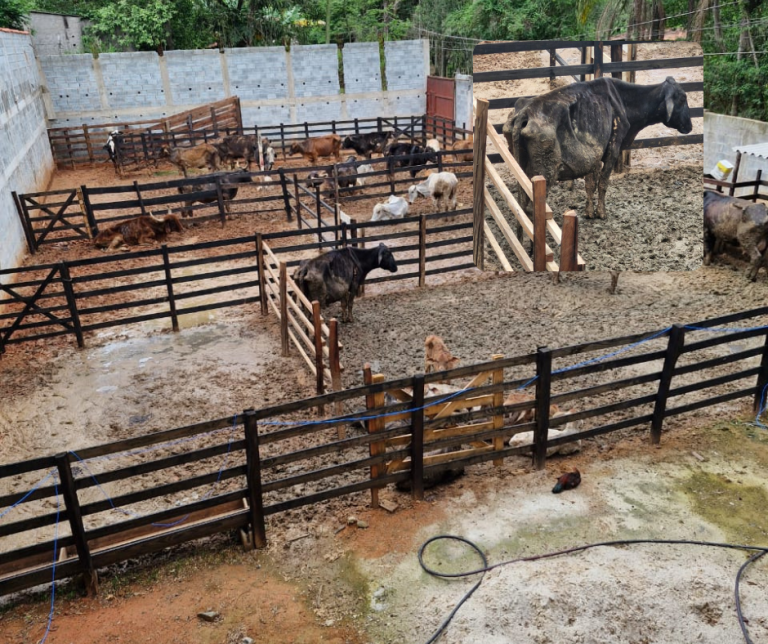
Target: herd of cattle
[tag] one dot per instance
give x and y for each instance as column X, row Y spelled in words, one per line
column 231, row 150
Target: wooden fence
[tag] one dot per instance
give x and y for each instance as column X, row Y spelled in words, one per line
column 543, row 222
column 84, row 144
column 594, row 52
column 710, row 183
column 249, row 466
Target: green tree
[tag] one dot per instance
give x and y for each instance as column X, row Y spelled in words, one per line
column 14, row 14
column 135, row 23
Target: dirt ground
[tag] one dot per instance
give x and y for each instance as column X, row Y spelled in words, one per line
column 654, row 209
column 324, row 582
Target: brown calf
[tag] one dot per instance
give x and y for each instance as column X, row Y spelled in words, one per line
column 140, row 230
column 204, row 155
column 436, row 355
column 463, row 149
column 318, row 146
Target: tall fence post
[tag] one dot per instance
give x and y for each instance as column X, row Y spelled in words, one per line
column 334, row 363
column 498, row 416
column 220, row 201
column 284, row 308
column 543, row 395
column 478, row 184
column 417, row 438
column 617, row 55
column 318, row 323
column 286, row 195
column 552, row 64
column 169, row 285
column 598, row 60
column 88, row 144
column 69, row 291
column 253, row 464
column 422, row 250
column 319, row 218
column 260, row 272
column 26, row 225
column 282, row 140
column 374, row 401
column 75, row 517
column 583, row 61
column 539, row 223
column 89, row 211
column 762, row 378
column 569, row 245
column 298, row 200
column 674, row 348
column 756, row 193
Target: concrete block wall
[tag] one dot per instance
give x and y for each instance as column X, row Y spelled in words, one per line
column 722, row 133
column 54, row 34
column 132, row 82
column 26, row 164
column 275, row 86
column 362, row 67
column 462, row 113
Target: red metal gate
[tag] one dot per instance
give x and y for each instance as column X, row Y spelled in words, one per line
column 440, row 96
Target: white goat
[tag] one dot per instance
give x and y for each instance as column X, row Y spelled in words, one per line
column 438, row 186
column 393, row 208
column 434, row 144
column 364, row 169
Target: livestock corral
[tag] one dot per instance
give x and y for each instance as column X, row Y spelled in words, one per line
column 158, row 424
column 653, row 203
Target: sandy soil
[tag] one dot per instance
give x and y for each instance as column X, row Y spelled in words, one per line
column 653, row 209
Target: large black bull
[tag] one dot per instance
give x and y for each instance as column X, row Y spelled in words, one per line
column 728, row 219
column 368, row 143
column 580, row 130
column 336, row 275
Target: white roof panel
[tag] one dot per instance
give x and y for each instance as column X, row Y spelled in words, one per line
column 755, row 150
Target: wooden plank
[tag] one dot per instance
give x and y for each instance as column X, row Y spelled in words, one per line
column 498, row 401
column 478, row 183
column 283, row 302
column 569, row 246
column 762, row 379
column 540, row 256
column 255, row 496
column 543, row 395
column 374, row 425
column 417, row 439
column 674, row 349
column 318, row 323
column 423, row 251
column 497, row 248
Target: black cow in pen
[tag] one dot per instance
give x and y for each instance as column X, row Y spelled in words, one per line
column 418, row 156
column 114, row 148
column 368, row 143
column 336, row 275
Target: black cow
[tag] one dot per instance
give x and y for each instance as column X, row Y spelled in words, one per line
column 580, row 130
column 419, row 156
column 228, row 192
column 114, row 148
column 728, row 219
column 238, row 146
column 336, row 275
column 367, row 144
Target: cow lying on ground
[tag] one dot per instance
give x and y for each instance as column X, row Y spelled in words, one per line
column 336, row 275
column 139, row 230
column 581, row 129
column 394, row 208
column 346, row 173
column 439, row 186
column 436, row 355
column 728, row 219
column 419, row 156
column 319, row 146
column 238, row 146
column 228, row 191
column 368, row 143
column 204, row 155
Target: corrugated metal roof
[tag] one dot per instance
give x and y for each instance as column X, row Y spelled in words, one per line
column 755, row 150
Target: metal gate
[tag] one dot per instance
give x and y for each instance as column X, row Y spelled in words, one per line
column 441, row 96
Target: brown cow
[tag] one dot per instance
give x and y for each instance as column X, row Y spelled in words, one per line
column 139, row 230
column 436, row 355
column 204, row 155
column 318, row 146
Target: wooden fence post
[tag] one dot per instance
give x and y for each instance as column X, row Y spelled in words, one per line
column 169, row 285
column 498, row 417
column 758, row 178
column 286, row 195
column 417, row 438
column 569, row 246
column 253, row 463
column 762, row 377
column 319, row 219
column 220, row 201
column 539, row 223
column 138, row 196
column 478, row 184
column 617, row 55
column 422, row 250
column 214, row 122
column 552, row 64
column 88, row 144
column 318, row 322
column 373, row 401
column 75, row 517
column 69, row 292
column 284, row 308
column 26, row 225
column 298, row 200
column 260, row 271
column 334, row 363
column 598, row 60
column 732, row 189
column 674, row 348
column 543, row 395
column 583, row 61
column 282, row 140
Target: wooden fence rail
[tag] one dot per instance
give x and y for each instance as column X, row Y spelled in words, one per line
column 414, row 429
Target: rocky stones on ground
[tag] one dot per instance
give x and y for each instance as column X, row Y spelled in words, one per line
column 209, row 616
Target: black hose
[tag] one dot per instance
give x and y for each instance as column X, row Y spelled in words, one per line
column 760, row 552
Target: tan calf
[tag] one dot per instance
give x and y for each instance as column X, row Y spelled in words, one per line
column 437, row 357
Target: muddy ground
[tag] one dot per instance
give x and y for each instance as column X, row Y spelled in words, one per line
column 654, row 209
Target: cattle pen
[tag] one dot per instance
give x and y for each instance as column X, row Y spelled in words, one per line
column 505, row 72
column 254, row 468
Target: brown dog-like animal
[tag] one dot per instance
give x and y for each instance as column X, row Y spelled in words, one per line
column 139, row 230
column 318, row 146
column 437, row 357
